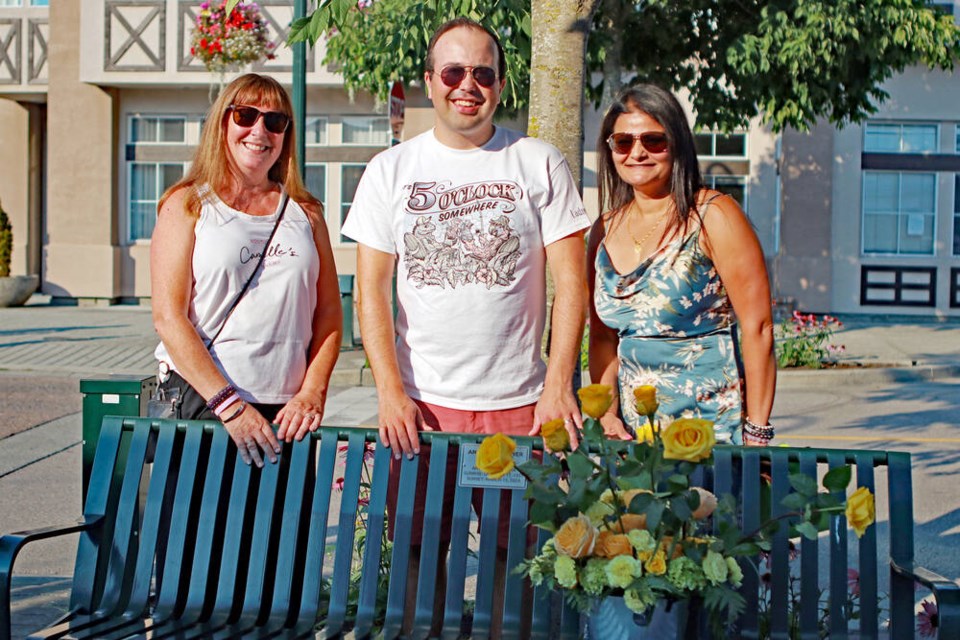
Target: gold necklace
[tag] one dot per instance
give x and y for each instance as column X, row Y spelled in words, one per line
column 639, row 244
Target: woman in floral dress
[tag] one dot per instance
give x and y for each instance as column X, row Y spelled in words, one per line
column 676, row 273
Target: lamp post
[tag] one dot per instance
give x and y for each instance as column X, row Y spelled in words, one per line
column 300, row 90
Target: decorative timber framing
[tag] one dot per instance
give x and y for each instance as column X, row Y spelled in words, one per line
column 124, row 40
column 877, row 281
column 38, row 31
column 11, row 56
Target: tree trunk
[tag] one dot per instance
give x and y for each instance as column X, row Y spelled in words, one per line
column 612, row 68
column 560, row 30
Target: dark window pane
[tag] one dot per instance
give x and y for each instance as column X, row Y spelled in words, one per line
column 733, row 144
column 704, row 143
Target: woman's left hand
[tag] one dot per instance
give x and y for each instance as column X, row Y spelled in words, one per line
column 301, row 414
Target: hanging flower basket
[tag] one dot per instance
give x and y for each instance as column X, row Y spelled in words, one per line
column 227, row 41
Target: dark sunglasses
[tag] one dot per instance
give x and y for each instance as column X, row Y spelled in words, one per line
column 652, row 141
column 274, row 121
column 453, row 75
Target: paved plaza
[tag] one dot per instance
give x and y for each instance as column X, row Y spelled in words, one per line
column 898, row 388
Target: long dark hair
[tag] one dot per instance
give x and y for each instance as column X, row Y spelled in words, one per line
column 685, row 179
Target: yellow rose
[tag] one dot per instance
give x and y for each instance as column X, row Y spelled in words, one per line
column 645, row 433
column 860, row 510
column 596, row 399
column 689, row 439
column 611, row 545
column 629, row 522
column 656, row 564
column 495, row 455
column 708, row 503
column 576, row 537
column 555, row 436
column 646, row 399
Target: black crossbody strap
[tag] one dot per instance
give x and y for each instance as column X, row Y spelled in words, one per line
column 263, row 254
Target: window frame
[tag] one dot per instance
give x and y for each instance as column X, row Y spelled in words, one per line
column 130, row 239
column 387, row 132
column 934, row 215
column 158, row 116
column 344, row 205
column 713, row 144
column 901, row 126
column 326, row 131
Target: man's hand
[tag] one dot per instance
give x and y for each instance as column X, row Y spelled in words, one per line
column 400, row 424
column 557, row 401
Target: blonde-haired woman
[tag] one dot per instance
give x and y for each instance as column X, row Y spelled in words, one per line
column 244, row 286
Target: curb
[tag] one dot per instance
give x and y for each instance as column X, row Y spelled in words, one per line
column 873, row 373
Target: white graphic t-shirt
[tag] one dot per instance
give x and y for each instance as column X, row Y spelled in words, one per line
column 469, row 229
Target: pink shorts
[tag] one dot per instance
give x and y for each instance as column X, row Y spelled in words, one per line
column 512, row 422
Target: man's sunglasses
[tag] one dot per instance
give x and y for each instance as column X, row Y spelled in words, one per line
column 652, row 141
column 274, row 121
column 453, row 75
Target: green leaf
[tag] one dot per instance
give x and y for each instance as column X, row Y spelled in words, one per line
column 654, row 513
column 794, row 502
column 837, row 478
column 807, row 530
column 803, row 484
column 580, row 465
column 680, row 507
column 542, row 513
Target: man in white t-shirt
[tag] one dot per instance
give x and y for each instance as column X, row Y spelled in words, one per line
column 470, row 214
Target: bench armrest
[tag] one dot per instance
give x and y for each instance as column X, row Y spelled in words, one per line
column 946, row 593
column 10, row 546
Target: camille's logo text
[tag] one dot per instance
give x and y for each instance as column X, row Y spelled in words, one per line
column 273, row 251
column 454, row 202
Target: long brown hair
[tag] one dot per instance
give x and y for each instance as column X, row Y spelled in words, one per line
column 211, row 165
column 685, row 179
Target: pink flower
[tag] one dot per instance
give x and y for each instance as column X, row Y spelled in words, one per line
column 853, row 582
column 928, row 620
column 338, row 484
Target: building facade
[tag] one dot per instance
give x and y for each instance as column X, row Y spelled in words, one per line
column 101, row 106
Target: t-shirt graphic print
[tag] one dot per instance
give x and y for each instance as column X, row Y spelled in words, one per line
column 460, row 235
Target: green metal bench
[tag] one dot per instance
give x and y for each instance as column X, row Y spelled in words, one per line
column 268, row 553
column 760, row 476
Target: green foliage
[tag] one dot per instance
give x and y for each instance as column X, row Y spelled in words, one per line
column 387, row 41
column 788, row 61
column 6, row 243
column 804, row 341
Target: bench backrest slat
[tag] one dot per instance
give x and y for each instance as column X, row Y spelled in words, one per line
column 867, row 550
column 513, row 598
column 779, row 557
column 91, row 556
column 900, row 491
column 346, row 530
column 457, row 563
column 751, row 505
column 230, row 551
column 400, row 555
column 487, row 562
column 838, row 558
column 430, row 538
column 181, row 539
column 262, row 546
column 372, row 551
column 809, row 564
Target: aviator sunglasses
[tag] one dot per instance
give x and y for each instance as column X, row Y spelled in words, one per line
column 454, row 74
column 274, row 121
column 652, row 141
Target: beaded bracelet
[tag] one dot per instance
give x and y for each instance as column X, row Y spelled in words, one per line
column 220, row 396
column 226, row 404
column 235, row 414
column 761, row 434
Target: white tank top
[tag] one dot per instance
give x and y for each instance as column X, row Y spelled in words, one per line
column 263, row 347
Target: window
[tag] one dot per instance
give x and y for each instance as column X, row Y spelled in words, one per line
column 349, row 179
column 733, row 186
column 371, row 132
column 900, row 138
column 316, row 181
column 728, row 145
column 39, row 3
column 899, row 212
column 316, row 132
column 148, row 181
column 956, row 215
column 157, row 129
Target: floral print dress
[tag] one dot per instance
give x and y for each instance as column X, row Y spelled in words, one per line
column 677, row 332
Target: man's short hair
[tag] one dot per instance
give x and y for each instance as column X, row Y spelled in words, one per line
column 456, row 23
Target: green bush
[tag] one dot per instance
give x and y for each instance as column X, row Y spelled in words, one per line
column 804, row 341
column 6, row 243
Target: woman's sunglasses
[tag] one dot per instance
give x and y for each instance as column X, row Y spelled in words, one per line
column 453, row 75
column 652, row 141
column 274, row 121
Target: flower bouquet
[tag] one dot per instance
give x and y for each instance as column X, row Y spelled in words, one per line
column 629, row 520
column 225, row 40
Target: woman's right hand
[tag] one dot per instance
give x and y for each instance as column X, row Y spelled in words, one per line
column 252, row 434
column 613, row 427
